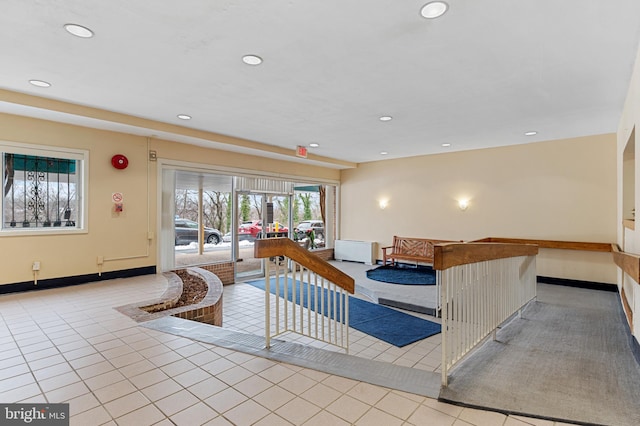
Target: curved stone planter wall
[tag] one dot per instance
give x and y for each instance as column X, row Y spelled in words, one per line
column 208, row 310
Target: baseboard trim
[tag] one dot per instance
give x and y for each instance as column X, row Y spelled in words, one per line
column 591, row 285
column 75, row 280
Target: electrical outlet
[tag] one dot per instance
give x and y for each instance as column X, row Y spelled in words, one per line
column 100, row 260
column 36, row 266
column 150, row 235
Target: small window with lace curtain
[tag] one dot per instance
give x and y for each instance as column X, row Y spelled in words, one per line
column 43, row 189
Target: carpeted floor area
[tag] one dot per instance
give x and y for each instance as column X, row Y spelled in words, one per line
column 568, row 358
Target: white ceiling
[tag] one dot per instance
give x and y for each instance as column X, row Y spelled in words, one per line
column 479, row 76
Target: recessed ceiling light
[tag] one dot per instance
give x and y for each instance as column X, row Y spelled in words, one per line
column 78, row 30
column 386, row 118
column 40, row 83
column 531, row 133
column 434, row 9
column 252, row 59
column 184, row 117
column 446, row 145
column 383, row 153
column 314, row 145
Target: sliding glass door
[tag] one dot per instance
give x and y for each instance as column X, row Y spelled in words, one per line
column 210, row 217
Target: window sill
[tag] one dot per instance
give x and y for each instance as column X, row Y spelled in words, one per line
column 28, row 232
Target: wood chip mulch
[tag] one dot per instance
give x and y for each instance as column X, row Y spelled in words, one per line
column 194, row 289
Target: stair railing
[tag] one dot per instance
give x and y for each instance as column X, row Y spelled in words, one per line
column 304, row 294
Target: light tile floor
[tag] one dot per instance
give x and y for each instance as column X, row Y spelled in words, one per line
column 70, row 345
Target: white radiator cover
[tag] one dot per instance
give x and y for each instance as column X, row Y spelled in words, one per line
column 356, row 251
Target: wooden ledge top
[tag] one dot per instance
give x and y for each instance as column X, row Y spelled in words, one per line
column 553, row 244
column 455, row 254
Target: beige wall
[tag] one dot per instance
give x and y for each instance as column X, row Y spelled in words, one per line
column 122, row 239
column 557, row 190
column 630, row 239
column 552, row 190
column 198, row 155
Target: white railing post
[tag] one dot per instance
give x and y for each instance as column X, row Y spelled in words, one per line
column 330, row 327
column 444, row 313
column 267, row 306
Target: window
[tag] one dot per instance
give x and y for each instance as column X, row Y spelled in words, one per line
column 200, row 199
column 43, row 189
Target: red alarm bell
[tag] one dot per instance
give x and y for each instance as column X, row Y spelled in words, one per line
column 119, row 161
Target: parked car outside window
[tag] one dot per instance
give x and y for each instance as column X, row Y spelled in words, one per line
column 306, row 225
column 250, row 230
column 187, row 232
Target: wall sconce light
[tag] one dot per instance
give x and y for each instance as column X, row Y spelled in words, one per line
column 383, row 204
column 463, row 204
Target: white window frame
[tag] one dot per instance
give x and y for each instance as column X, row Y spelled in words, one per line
column 80, row 155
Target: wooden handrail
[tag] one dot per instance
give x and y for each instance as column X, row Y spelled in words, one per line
column 455, row 254
column 629, row 263
column 564, row 245
column 272, row 247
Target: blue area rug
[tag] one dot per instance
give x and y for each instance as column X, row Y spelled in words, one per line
column 407, row 275
column 389, row 325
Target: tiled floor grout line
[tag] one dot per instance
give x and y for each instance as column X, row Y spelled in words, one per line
column 22, row 354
